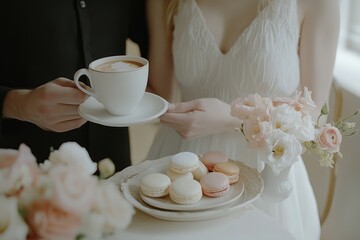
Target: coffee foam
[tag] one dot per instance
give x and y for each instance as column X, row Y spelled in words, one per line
column 117, row 66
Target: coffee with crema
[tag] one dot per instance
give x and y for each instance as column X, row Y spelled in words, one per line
column 118, row 66
column 117, row 82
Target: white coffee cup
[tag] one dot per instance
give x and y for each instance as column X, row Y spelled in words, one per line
column 118, row 82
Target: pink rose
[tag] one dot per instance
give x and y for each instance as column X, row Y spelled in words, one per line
column 73, row 189
column 18, row 169
column 243, row 108
column 7, row 157
column 115, row 209
column 284, row 100
column 329, row 138
column 48, row 222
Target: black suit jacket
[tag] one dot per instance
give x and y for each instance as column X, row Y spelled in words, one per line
column 46, row 39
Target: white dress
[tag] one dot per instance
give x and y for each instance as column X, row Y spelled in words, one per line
column 264, row 60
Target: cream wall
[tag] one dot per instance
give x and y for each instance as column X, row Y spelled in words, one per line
column 141, row 136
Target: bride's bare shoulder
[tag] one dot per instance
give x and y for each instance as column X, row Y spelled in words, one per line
column 317, row 9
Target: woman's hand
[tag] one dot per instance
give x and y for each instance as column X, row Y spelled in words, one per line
column 200, row 117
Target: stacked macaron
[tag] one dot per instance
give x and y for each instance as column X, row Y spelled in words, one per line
column 210, row 158
column 178, row 181
column 155, row 185
column 182, row 164
column 217, row 161
column 184, row 189
column 187, row 178
column 231, row 170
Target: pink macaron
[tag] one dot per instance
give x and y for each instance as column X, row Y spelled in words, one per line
column 229, row 169
column 215, row 184
column 210, row 158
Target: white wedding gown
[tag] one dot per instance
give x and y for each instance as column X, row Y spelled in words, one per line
column 264, row 60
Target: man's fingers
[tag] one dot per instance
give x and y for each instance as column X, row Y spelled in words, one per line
column 65, row 95
column 68, row 125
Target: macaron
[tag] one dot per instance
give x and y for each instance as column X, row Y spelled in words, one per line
column 173, row 175
column 184, row 162
column 210, row 158
column 185, row 191
column 229, row 169
column 155, row 185
column 200, row 171
column 215, row 184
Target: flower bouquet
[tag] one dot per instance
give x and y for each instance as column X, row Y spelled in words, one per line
column 282, row 129
column 59, row 199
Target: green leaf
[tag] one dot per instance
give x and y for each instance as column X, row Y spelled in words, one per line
column 80, row 236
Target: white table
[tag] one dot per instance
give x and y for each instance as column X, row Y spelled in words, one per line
column 250, row 224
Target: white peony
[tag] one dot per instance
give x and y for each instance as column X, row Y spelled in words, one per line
column 72, row 154
column 12, row 225
column 307, row 130
column 285, row 118
column 281, row 150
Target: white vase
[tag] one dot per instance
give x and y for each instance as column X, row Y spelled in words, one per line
column 276, row 187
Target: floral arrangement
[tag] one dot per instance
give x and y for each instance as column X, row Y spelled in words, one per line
column 60, row 199
column 282, row 129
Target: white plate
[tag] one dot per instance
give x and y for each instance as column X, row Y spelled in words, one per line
column 150, row 108
column 128, row 179
column 205, row 202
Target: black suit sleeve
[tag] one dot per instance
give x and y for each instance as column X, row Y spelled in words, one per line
column 3, row 92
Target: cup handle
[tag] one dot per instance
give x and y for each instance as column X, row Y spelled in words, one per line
column 77, row 75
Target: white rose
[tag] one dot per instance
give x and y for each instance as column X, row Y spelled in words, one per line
column 117, row 211
column 72, row 190
column 12, row 225
column 93, row 225
column 71, row 153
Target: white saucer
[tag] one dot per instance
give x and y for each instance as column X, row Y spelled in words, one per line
column 150, row 108
column 205, row 202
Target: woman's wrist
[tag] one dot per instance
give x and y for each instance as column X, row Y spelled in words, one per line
column 234, row 123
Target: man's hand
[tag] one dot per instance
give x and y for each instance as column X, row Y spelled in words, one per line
column 52, row 106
